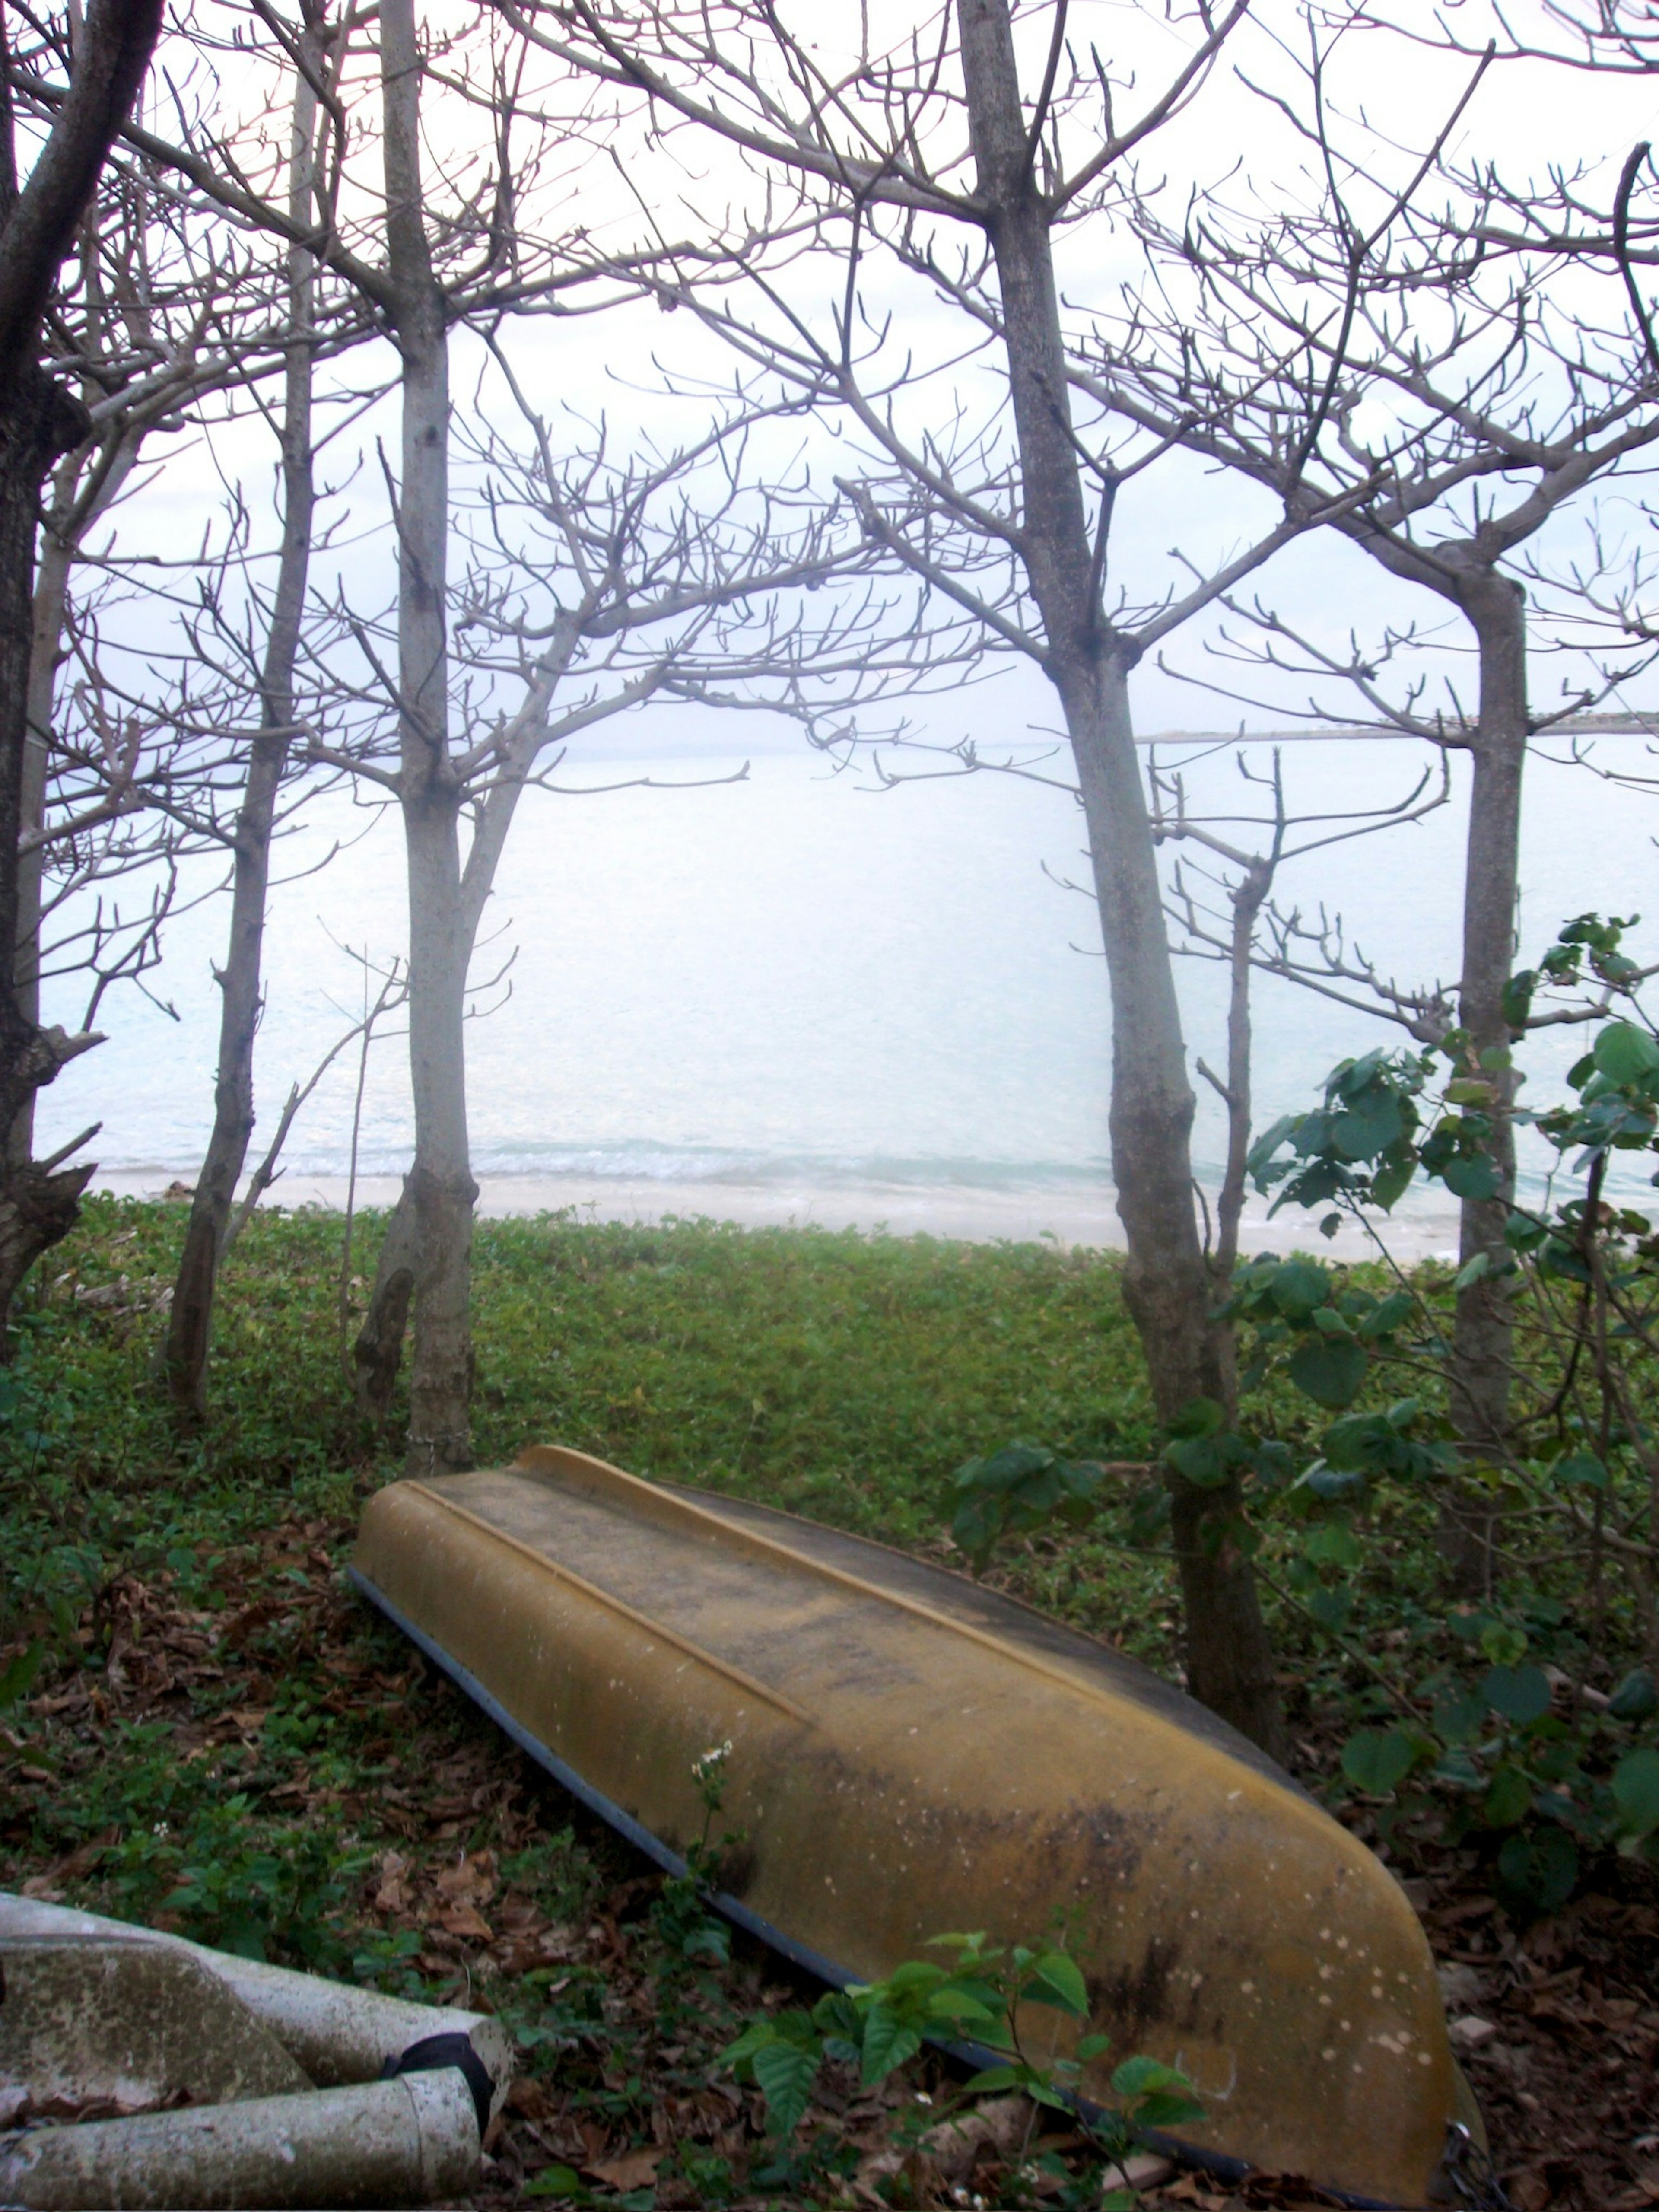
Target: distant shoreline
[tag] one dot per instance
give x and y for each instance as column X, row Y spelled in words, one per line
column 1084, row 1214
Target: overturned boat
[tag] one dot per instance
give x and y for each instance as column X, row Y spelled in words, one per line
column 912, row 1754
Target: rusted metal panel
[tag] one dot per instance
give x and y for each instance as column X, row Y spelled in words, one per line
column 912, row 1754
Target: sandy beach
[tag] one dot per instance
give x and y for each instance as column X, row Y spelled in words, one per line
column 1082, row 1215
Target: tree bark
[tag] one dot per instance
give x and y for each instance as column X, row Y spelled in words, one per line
column 41, row 422
column 49, row 607
column 1229, row 1657
column 240, row 980
column 1249, row 895
column 1483, row 1331
column 441, row 1190
column 378, row 1348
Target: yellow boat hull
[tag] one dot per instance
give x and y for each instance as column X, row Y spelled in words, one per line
column 913, row 1754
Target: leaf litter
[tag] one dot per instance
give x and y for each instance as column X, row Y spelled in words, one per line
column 447, row 1867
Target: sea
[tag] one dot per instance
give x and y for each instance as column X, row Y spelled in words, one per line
column 782, row 990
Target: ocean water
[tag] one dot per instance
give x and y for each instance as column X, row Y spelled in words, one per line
column 799, row 997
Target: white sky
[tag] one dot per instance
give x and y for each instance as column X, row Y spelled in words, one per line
column 1524, row 118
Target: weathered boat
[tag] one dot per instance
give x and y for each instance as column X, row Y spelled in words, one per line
column 913, row 1754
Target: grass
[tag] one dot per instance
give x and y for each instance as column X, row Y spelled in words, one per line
column 220, row 1739
column 835, row 1374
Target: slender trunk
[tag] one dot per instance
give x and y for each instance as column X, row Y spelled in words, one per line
column 1248, row 898
column 378, row 1349
column 1483, row 1331
column 240, row 980
column 39, row 423
column 441, row 1190
column 1167, row 1285
column 50, row 606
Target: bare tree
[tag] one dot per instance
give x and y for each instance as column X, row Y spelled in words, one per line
column 1012, row 520
column 1225, row 916
column 40, row 421
column 1488, row 406
column 592, row 586
column 320, row 49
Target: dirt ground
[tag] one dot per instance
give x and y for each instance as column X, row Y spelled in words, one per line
column 1558, row 2023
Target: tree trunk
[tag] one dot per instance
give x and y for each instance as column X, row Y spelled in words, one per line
column 1484, row 1327
column 240, row 980
column 1229, row 1657
column 441, row 1190
column 378, row 1348
column 49, row 606
column 40, row 422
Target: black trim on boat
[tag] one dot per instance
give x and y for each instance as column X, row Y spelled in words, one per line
column 1213, row 2162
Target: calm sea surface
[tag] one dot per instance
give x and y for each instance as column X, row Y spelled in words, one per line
column 796, row 997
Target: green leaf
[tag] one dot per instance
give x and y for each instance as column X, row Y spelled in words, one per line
column 1540, row 1870
column 1329, row 1370
column 1201, row 1417
column 1393, row 1179
column 1625, row 1054
column 1509, row 1800
column 976, row 1525
column 1466, row 1277
column 1003, row 1469
column 1369, row 1127
column 754, row 2037
column 1636, row 1791
column 1515, row 999
column 1156, row 2096
column 786, row 2074
column 1299, row 1287
column 1462, row 1719
column 1269, row 1142
column 558, row 2181
column 17, row 1680
column 953, row 2001
column 1168, row 2108
column 1520, row 1694
column 888, row 2042
column 1332, row 1608
column 991, row 2080
column 1204, row 1460
column 1333, row 1544
column 1058, row 1982
column 1471, row 1177
column 1635, row 1698
column 1503, row 1643
column 1387, row 1314
column 1377, row 1760
column 1582, row 1468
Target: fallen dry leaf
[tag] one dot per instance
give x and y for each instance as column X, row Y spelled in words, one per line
column 633, row 2170
column 1000, row 2123
column 473, row 1881
column 465, row 1920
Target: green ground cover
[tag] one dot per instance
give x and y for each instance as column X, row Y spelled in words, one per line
column 202, row 1728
